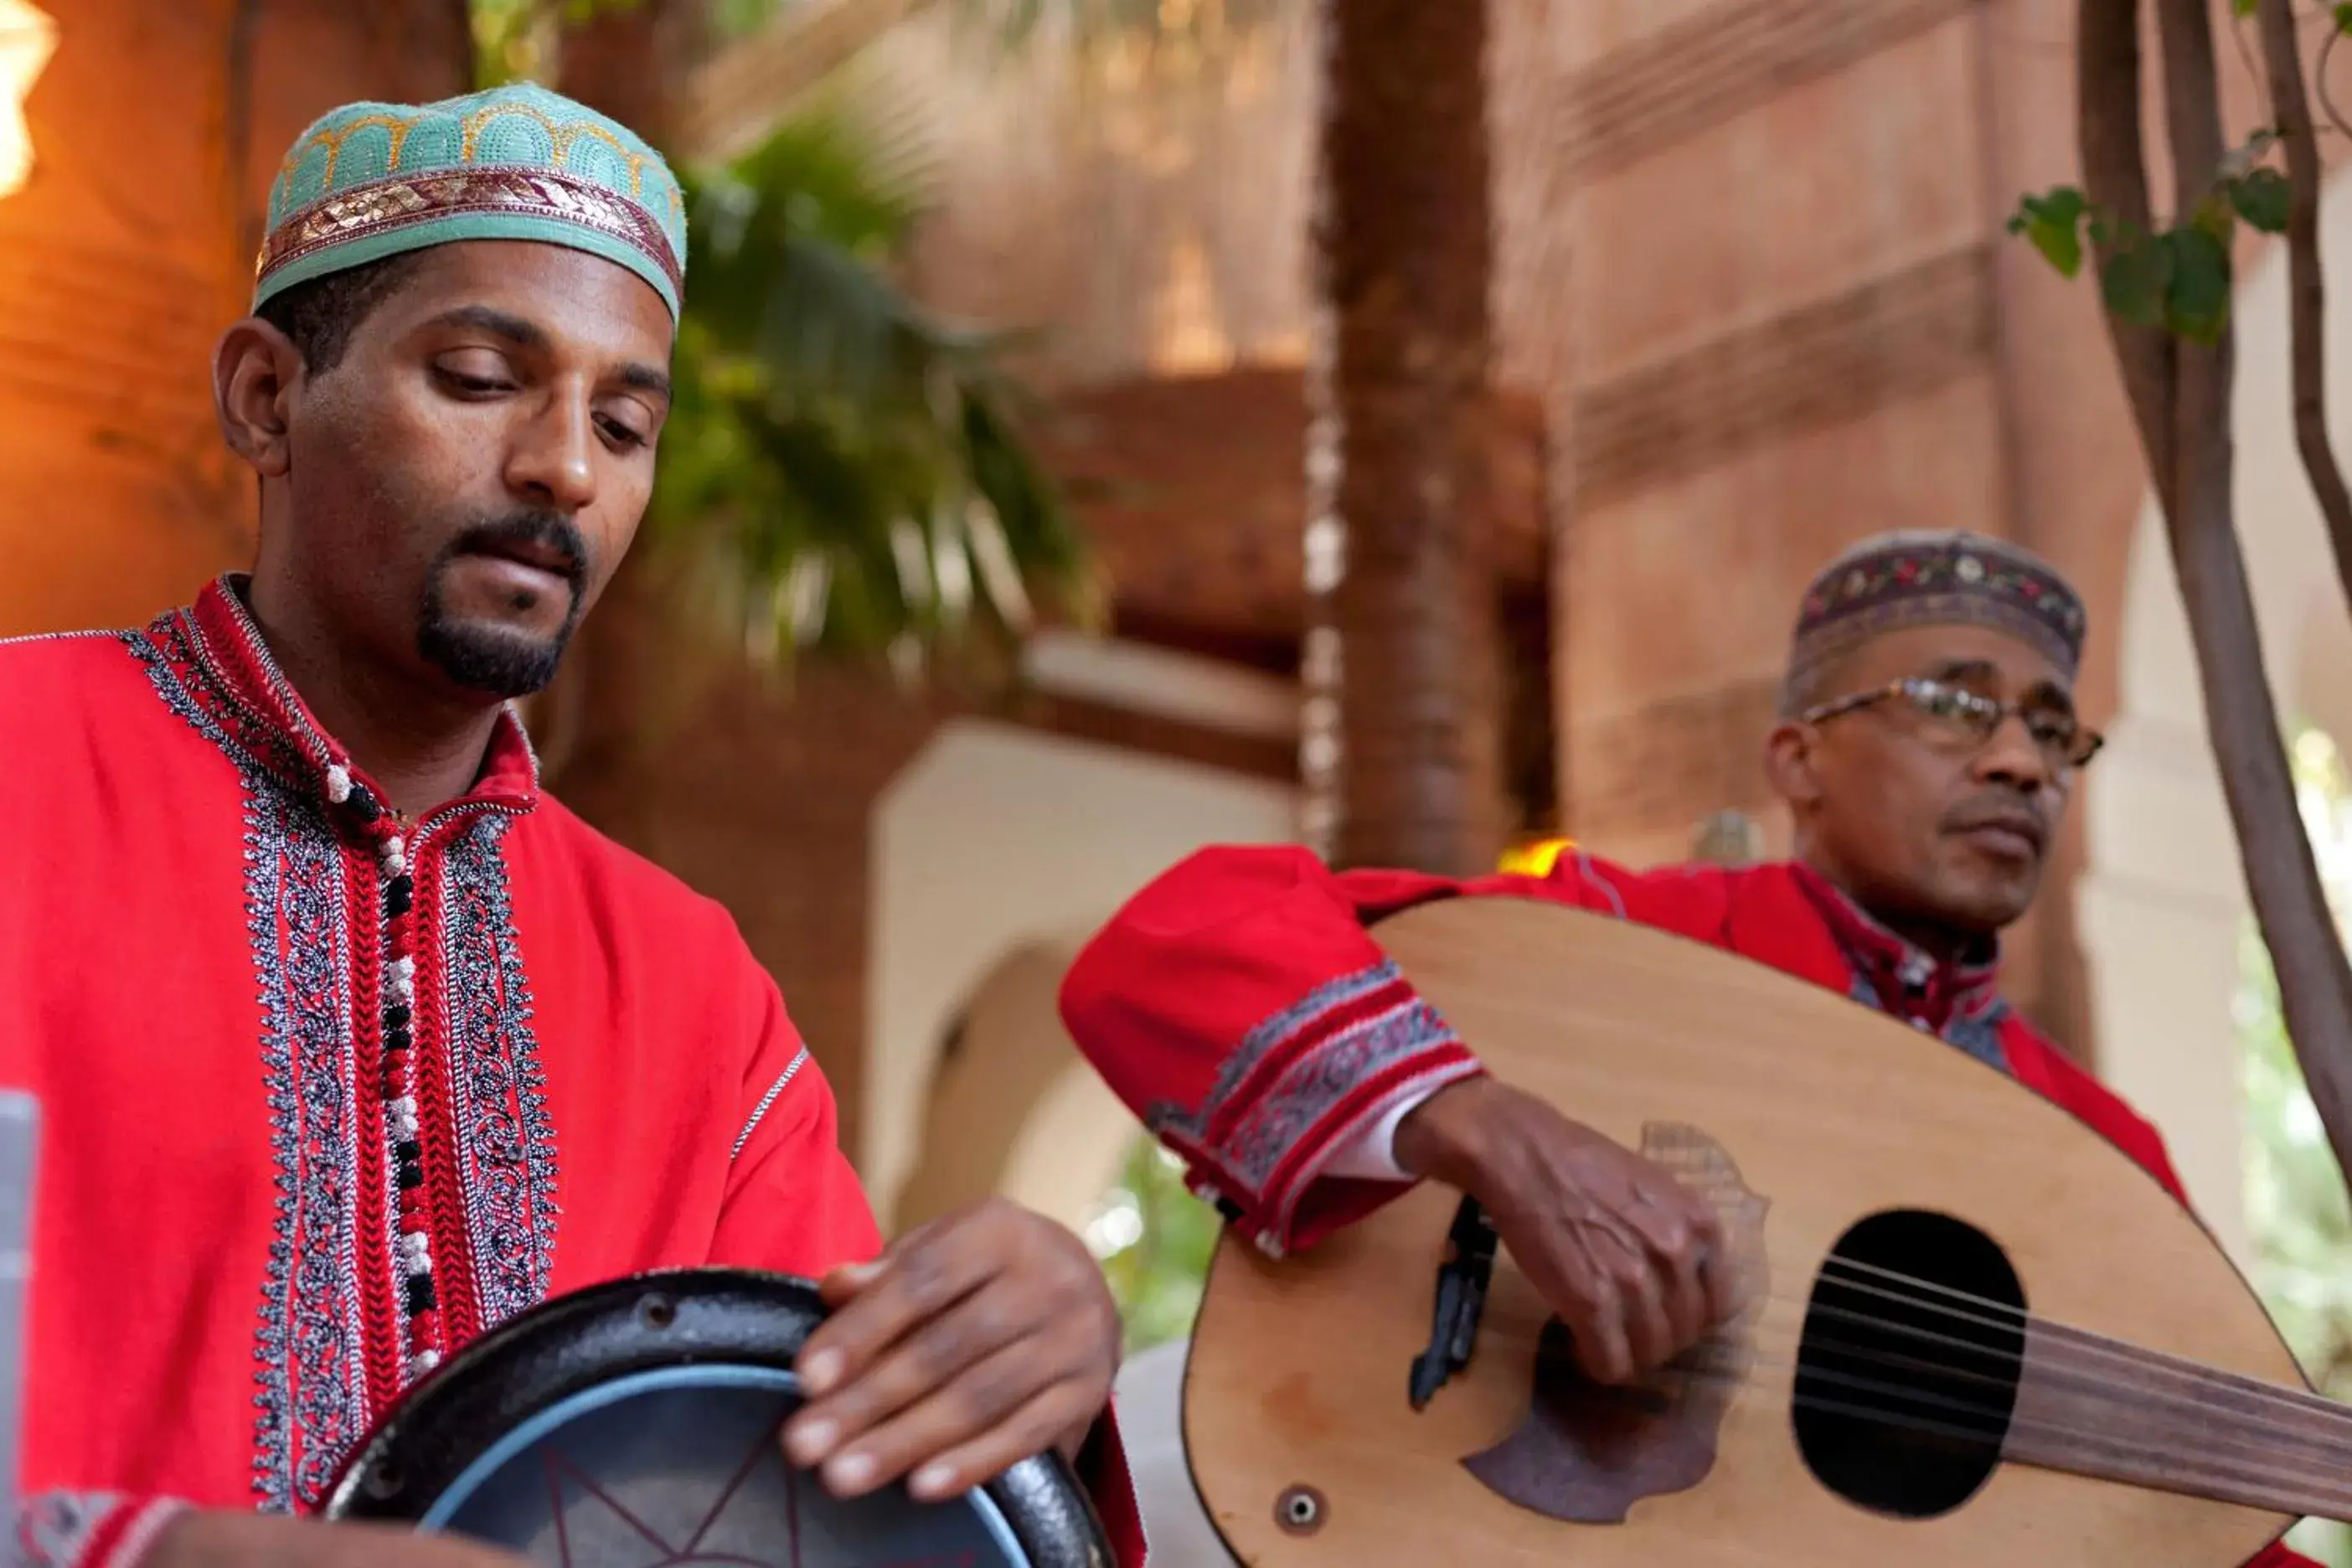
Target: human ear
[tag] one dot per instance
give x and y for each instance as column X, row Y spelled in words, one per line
column 1790, row 763
column 256, row 369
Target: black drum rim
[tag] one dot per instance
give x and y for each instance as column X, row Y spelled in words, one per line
column 658, row 1319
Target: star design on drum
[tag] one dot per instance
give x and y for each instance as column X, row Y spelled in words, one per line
column 666, row 1553
column 806, row 1545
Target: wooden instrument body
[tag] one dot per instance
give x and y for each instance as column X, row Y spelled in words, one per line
column 1831, row 1111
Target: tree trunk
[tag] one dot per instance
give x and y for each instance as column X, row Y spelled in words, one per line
column 632, row 63
column 1401, row 754
column 2115, row 177
column 2179, row 396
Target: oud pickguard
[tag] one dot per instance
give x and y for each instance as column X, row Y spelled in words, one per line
column 1587, row 1453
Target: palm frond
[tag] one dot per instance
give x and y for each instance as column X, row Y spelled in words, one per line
column 849, row 470
column 733, row 18
column 1091, row 25
column 840, row 468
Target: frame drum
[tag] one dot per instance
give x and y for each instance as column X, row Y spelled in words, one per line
column 635, row 1424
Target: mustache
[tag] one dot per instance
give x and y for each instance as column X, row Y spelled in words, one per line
column 541, row 529
column 2020, row 813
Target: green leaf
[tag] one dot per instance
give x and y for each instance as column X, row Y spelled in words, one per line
column 2262, row 197
column 734, row 18
column 1155, row 1239
column 2054, row 225
column 2214, row 215
column 2344, row 17
column 2134, row 281
column 2197, row 294
column 840, row 469
column 2243, row 8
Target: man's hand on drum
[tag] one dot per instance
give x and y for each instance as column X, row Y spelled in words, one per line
column 972, row 1343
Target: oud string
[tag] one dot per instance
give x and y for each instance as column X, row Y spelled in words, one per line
column 2261, row 1475
column 2011, row 1320
column 2316, row 1416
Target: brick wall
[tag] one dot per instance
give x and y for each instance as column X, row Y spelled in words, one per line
column 156, row 130
column 1792, row 319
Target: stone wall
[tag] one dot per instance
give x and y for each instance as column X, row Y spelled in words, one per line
column 1751, row 270
column 1795, row 321
column 1143, row 219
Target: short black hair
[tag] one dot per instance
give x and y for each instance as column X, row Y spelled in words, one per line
column 320, row 314
column 1808, row 686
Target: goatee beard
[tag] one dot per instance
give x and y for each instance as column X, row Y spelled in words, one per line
column 483, row 656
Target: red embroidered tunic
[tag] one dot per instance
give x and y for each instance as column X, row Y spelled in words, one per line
column 1241, row 1008
column 325, row 1095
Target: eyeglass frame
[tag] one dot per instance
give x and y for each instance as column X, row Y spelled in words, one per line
column 1995, row 711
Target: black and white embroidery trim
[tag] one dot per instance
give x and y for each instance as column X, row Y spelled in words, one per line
column 1312, row 1087
column 792, row 1071
column 505, row 1136
column 1168, row 1117
column 310, row 1395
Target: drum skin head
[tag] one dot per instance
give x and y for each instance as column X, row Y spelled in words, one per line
column 635, row 1424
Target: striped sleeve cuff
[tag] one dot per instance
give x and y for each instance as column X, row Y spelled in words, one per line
column 1302, row 1084
column 89, row 1530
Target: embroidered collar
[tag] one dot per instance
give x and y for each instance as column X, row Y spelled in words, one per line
column 277, row 727
column 1906, row 981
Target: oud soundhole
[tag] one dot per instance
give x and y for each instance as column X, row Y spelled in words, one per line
column 1907, row 1370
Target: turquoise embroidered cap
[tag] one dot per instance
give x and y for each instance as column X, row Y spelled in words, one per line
column 372, row 180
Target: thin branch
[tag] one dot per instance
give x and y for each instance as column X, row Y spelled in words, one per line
column 2114, row 178
column 2307, row 288
column 2319, row 74
column 2314, row 980
column 2192, row 112
column 2282, row 876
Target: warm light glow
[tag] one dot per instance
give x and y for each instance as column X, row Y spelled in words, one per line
column 26, row 38
column 1534, row 858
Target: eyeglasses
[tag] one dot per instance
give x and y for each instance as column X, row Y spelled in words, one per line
column 1972, row 716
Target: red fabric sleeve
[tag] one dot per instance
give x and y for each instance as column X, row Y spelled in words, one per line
column 792, row 1205
column 1238, row 1005
column 2279, row 1554
column 1102, row 1469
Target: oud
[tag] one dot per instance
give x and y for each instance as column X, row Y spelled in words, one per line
column 1975, row 1332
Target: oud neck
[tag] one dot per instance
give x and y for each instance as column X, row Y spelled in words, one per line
column 2094, row 1407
